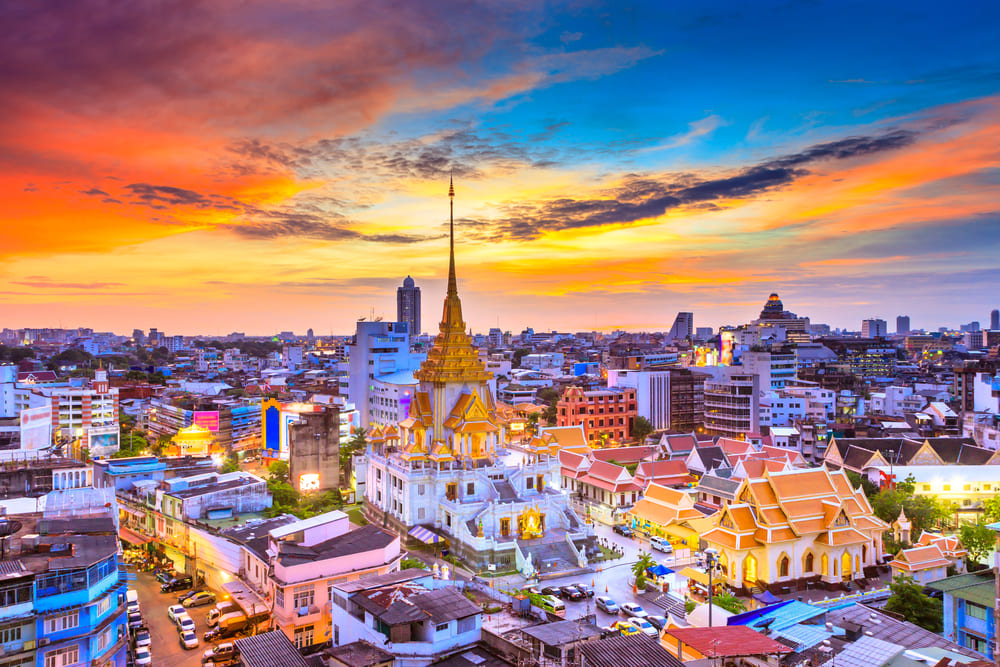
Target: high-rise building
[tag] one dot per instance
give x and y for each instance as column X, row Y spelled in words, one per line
column 732, row 405
column 902, row 325
column 408, row 305
column 775, row 368
column 874, row 328
column 380, row 372
column 671, row 399
column 995, row 320
column 683, row 326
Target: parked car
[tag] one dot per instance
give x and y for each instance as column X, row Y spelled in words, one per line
column 633, row 610
column 188, row 640
column 551, row 590
column 644, row 626
column 622, row 530
column 533, row 590
column 143, row 656
column 132, row 600
column 585, row 589
column 200, row 599
column 163, row 576
column 178, row 583
column 661, row 544
column 606, row 604
column 185, row 623
column 135, row 620
column 142, row 637
column 570, row 593
column 185, row 595
column 219, row 653
column 626, row 628
column 658, row 622
column 175, row 610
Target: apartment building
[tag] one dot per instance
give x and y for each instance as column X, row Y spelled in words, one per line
column 671, row 399
column 605, row 414
column 732, row 405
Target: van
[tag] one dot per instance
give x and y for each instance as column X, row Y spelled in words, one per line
column 132, row 600
column 661, row 544
column 552, row 605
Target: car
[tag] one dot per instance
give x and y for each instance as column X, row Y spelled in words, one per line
column 188, row 640
column 175, row 610
column 249, row 459
column 163, row 576
column 551, row 590
column 658, row 622
column 143, row 656
column 218, row 653
column 132, row 607
column 142, row 637
column 633, row 610
column 186, row 594
column 135, row 620
column 585, row 589
column 606, row 604
column 622, row 530
column 626, row 628
column 200, row 599
column 185, row 623
column 644, row 626
column 179, row 583
column 570, row 593
column 533, row 590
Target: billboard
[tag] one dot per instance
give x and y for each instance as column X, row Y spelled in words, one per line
column 36, row 427
column 207, row 419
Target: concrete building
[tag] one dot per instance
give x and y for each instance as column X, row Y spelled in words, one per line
column 314, row 451
column 379, row 353
column 970, row 611
column 902, row 325
column 995, row 320
column 408, row 305
column 776, row 368
column 672, row 399
column 234, row 422
column 873, row 328
column 732, row 405
column 683, row 327
column 606, row 414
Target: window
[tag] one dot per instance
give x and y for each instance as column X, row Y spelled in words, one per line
column 63, row 657
column 303, row 636
column 977, row 644
column 12, row 595
column 105, row 639
column 967, row 487
column 783, row 567
column 470, row 489
column 302, row 596
column 977, row 611
column 420, row 513
column 420, row 489
column 987, row 487
column 809, row 563
column 442, row 627
column 946, row 487
column 11, row 633
column 279, row 597
column 466, row 624
column 336, row 635
column 531, row 482
column 62, row 622
column 104, row 605
column 927, row 488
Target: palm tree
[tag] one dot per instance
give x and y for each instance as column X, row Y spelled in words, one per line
column 639, row 568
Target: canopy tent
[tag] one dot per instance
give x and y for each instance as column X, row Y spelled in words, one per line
column 695, row 575
column 766, row 598
column 425, row 535
column 659, row 570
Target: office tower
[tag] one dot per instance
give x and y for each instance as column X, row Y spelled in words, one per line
column 683, row 326
column 408, row 305
column 995, row 320
column 902, row 325
column 873, row 328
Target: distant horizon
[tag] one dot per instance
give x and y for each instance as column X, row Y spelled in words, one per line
column 214, row 169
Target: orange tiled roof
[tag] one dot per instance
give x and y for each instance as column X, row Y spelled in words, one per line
column 920, row 558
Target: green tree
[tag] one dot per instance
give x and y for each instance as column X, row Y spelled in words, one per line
column 641, row 428
column 926, row 512
column 532, row 426
column 357, row 444
column 977, row 539
column 231, row 464
column 15, row 354
column 277, row 472
column 549, row 395
column 729, row 602
column 639, row 568
column 870, row 488
column 908, row 600
column 518, row 356
column 550, row 415
column 991, row 509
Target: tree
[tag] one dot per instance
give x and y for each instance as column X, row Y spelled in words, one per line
column 977, row 539
column 869, row 487
column 926, row 512
column 991, row 509
column 532, row 426
column 357, row 444
column 729, row 602
column 518, row 356
column 908, row 600
column 550, row 415
column 641, row 428
column 231, row 464
column 549, row 395
column 277, row 472
column 639, row 569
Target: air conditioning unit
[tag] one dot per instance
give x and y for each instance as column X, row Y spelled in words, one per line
column 44, row 641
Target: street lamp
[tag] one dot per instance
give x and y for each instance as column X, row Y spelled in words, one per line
column 710, row 559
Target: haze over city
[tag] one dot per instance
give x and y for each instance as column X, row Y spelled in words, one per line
column 206, row 168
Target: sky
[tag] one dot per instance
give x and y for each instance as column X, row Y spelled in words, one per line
column 208, row 167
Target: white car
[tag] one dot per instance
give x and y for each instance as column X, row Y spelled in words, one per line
column 175, row 610
column 633, row 610
column 143, row 656
column 142, row 638
column 189, row 640
column 644, row 625
column 185, row 623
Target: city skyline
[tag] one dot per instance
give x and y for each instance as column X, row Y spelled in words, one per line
column 203, row 170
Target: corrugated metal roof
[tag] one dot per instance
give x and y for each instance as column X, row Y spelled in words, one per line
column 269, row 649
column 619, row 651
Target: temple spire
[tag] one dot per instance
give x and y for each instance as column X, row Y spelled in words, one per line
column 451, row 319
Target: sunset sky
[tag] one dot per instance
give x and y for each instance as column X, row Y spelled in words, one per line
column 207, row 167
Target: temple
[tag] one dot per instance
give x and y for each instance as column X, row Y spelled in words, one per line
column 445, row 473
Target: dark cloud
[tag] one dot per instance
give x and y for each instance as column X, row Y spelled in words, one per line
column 643, row 197
column 93, row 192
column 165, row 194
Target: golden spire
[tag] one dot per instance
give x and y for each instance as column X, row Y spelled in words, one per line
column 451, row 319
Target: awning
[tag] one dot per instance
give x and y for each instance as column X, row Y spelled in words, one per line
column 133, row 538
column 695, row 575
column 766, row 598
column 659, row 570
column 425, row 535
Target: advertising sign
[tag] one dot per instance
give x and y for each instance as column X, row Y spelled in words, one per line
column 207, row 419
column 36, row 427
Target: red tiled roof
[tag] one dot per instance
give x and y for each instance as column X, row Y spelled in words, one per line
column 727, row 641
column 624, row 454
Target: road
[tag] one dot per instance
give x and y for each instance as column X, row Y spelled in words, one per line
column 166, row 648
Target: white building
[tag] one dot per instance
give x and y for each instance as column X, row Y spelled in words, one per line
column 732, row 404
column 380, row 351
column 775, row 368
column 874, row 328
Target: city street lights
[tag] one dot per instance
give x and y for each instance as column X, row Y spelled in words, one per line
column 710, row 558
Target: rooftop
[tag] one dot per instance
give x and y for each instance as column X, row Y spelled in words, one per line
column 620, row 651
column 269, row 649
column 728, row 641
column 976, row 587
column 562, row 632
column 359, row 654
column 366, row 538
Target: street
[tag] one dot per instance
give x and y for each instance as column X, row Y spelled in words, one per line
column 166, row 648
